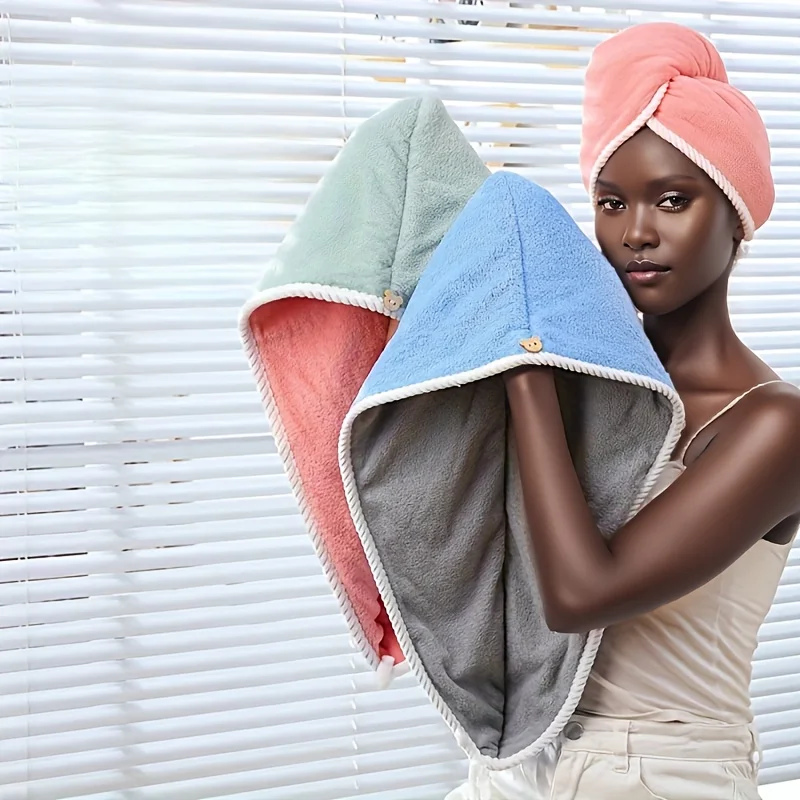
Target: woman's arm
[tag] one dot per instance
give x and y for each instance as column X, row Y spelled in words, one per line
column 745, row 483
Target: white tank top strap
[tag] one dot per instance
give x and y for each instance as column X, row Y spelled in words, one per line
column 719, row 413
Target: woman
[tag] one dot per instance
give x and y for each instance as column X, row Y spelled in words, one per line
column 677, row 162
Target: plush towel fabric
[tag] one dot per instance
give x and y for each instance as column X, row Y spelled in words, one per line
column 672, row 79
column 431, row 476
column 327, row 305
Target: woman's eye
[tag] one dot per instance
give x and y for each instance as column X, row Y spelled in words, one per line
column 674, row 202
column 610, row 204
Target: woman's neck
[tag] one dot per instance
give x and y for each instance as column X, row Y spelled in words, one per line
column 697, row 343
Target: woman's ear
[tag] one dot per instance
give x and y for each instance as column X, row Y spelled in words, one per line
column 738, row 243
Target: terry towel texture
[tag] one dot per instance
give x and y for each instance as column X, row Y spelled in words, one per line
column 671, row 79
column 398, row 446
column 324, row 312
column 431, row 476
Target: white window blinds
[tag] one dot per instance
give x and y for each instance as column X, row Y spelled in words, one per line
column 166, row 630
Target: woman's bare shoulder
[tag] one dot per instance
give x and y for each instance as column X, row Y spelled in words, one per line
column 769, row 416
column 779, row 400
column 773, row 404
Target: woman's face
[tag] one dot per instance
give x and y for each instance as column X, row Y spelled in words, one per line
column 666, row 227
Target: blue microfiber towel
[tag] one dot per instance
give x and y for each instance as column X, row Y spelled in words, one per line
column 431, row 475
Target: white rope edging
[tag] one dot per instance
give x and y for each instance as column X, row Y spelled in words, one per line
column 550, row 735
column 335, row 295
column 727, row 187
column 647, row 119
column 623, row 137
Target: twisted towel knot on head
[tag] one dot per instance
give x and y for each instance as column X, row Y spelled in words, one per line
column 672, row 80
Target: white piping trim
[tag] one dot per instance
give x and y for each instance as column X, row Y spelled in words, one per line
column 727, row 187
column 315, row 291
column 335, row 295
column 647, row 118
column 626, row 134
column 404, row 639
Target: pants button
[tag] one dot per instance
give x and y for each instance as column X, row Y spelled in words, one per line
column 573, row 731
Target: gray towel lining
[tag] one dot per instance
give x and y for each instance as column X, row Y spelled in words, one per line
column 393, row 603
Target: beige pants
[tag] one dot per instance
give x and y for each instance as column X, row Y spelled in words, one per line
column 608, row 759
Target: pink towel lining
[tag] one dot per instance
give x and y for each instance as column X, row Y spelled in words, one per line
column 300, row 341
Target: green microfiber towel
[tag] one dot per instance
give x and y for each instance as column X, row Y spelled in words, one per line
column 385, row 204
column 322, row 314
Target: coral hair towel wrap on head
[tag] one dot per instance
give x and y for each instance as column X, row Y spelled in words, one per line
column 672, row 80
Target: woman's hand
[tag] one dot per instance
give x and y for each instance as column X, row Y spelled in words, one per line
column 528, row 378
column 533, row 387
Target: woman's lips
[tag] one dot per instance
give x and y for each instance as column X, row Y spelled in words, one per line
column 645, row 272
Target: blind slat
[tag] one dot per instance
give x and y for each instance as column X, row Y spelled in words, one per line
column 167, row 629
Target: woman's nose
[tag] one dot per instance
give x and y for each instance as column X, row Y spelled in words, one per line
column 641, row 232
